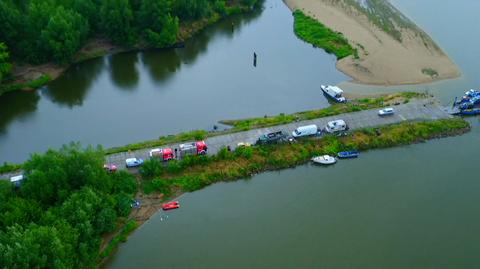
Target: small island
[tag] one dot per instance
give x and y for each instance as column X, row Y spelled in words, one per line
column 389, row 49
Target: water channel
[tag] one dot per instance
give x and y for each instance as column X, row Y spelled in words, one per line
column 407, row 207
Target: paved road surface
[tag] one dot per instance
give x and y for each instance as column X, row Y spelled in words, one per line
column 426, row 109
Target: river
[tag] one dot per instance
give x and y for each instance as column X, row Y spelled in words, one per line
column 131, row 97
column 407, row 207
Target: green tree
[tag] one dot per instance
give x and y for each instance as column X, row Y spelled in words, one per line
column 12, row 30
column 5, row 65
column 191, row 10
column 34, row 247
column 116, row 20
column 64, row 34
column 161, row 28
column 39, row 12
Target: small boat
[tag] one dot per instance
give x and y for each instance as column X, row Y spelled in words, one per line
column 333, row 92
column 325, row 159
column 348, row 154
column 171, row 205
column 470, row 112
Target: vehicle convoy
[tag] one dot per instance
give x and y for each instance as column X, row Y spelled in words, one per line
column 193, row 148
column 133, row 162
column 334, row 93
column 386, row 111
column 336, row 126
column 165, row 154
column 272, row 138
column 305, row 131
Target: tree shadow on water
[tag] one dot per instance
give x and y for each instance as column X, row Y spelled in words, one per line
column 17, row 105
column 123, row 70
column 72, row 87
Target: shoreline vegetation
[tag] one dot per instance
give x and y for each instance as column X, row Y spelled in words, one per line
column 64, row 211
column 391, row 49
column 69, row 202
column 315, row 33
column 179, row 23
column 353, row 105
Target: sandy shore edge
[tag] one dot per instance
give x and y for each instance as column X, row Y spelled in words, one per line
column 383, row 60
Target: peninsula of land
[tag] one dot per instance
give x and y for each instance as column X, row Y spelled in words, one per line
column 392, row 50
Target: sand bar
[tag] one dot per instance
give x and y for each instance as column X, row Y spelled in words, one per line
column 383, row 59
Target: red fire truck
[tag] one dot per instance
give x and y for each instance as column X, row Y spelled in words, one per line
column 165, row 154
column 194, row 148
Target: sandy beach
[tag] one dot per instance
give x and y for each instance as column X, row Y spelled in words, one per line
column 383, row 60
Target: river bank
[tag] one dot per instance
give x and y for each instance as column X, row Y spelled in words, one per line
column 392, row 50
column 160, row 183
column 30, row 77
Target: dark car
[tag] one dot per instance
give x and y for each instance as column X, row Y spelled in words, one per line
column 272, row 138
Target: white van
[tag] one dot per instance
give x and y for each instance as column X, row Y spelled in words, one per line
column 305, row 131
column 336, row 126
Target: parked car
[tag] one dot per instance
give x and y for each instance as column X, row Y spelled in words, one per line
column 272, row 138
column 386, row 111
column 305, row 131
column 17, row 180
column 110, row 167
column 244, row 144
column 133, row 162
column 336, row 126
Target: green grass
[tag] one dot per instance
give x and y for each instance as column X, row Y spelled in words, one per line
column 33, row 84
column 317, row 34
column 430, row 72
column 9, row 167
column 336, row 109
column 248, row 124
column 163, row 140
column 245, row 162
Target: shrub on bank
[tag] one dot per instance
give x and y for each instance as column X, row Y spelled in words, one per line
column 246, row 161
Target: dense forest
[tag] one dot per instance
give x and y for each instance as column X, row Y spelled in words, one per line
column 39, row 31
column 58, row 216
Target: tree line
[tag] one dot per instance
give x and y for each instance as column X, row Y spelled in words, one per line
column 57, row 217
column 39, row 31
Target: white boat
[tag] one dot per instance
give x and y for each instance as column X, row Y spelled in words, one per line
column 325, row 159
column 334, row 93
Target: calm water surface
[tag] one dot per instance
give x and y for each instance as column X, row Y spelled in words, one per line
column 130, row 97
column 408, row 207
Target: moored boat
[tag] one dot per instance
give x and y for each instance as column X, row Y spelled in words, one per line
column 171, row 205
column 333, row 92
column 348, row 154
column 325, row 159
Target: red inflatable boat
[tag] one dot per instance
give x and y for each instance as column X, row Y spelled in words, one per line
column 171, row 205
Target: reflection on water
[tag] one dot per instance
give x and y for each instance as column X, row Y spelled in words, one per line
column 161, row 65
column 72, row 88
column 123, row 70
column 115, row 100
column 20, row 106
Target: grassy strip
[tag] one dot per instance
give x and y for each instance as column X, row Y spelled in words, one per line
column 336, row 109
column 33, row 84
column 163, row 140
column 9, row 167
column 247, row 124
column 129, row 227
column 313, row 32
column 197, row 172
